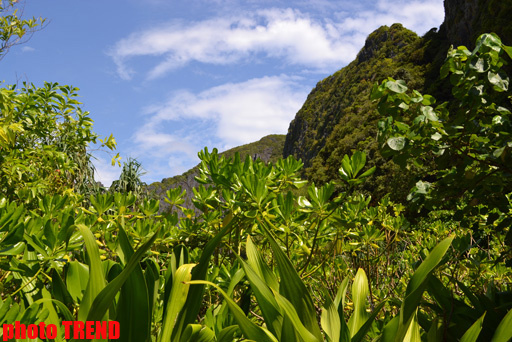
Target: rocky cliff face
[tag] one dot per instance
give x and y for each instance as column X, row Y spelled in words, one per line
column 338, row 116
column 465, row 20
column 460, row 18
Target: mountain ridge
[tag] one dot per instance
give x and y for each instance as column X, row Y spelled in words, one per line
column 338, row 117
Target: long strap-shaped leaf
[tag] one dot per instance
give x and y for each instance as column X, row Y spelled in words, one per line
column 396, row 330
column 132, row 311
column 96, row 281
column 292, row 287
column 360, row 290
column 248, row 327
column 471, row 335
column 293, row 316
column 177, row 299
column 194, row 300
column 104, row 299
column 255, row 270
column 504, row 331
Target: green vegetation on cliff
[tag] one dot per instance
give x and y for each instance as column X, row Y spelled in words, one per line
column 338, row 116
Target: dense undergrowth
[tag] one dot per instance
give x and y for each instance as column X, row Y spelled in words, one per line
column 260, row 259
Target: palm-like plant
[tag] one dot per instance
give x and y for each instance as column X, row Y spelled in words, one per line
column 130, row 178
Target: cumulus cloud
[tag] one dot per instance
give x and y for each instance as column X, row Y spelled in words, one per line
column 229, row 114
column 224, row 116
column 290, row 35
column 284, row 34
column 419, row 16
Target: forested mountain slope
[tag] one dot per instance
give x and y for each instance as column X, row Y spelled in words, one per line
column 338, row 116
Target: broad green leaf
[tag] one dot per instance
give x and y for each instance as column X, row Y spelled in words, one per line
column 14, row 250
column 480, row 65
column 396, row 143
column 360, row 293
column 77, row 277
column 471, row 335
column 368, row 172
column 504, row 331
column 436, row 136
column 358, row 161
column 499, row 80
column 396, row 86
column 429, row 113
column 96, row 281
column 346, row 167
column 248, row 328
column 177, row 299
column 490, row 40
column 508, row 50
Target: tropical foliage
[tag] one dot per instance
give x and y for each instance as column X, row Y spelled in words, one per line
column 266, row 255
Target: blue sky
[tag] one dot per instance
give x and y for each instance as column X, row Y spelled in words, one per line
column 169, row 77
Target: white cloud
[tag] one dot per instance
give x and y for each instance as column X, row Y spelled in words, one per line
column 290, row 35
column 105, row 172
column 224, row 116
column 237, row 113
column 275, row 33
column 27, row 49
column 233, row 113
column 418, row 16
